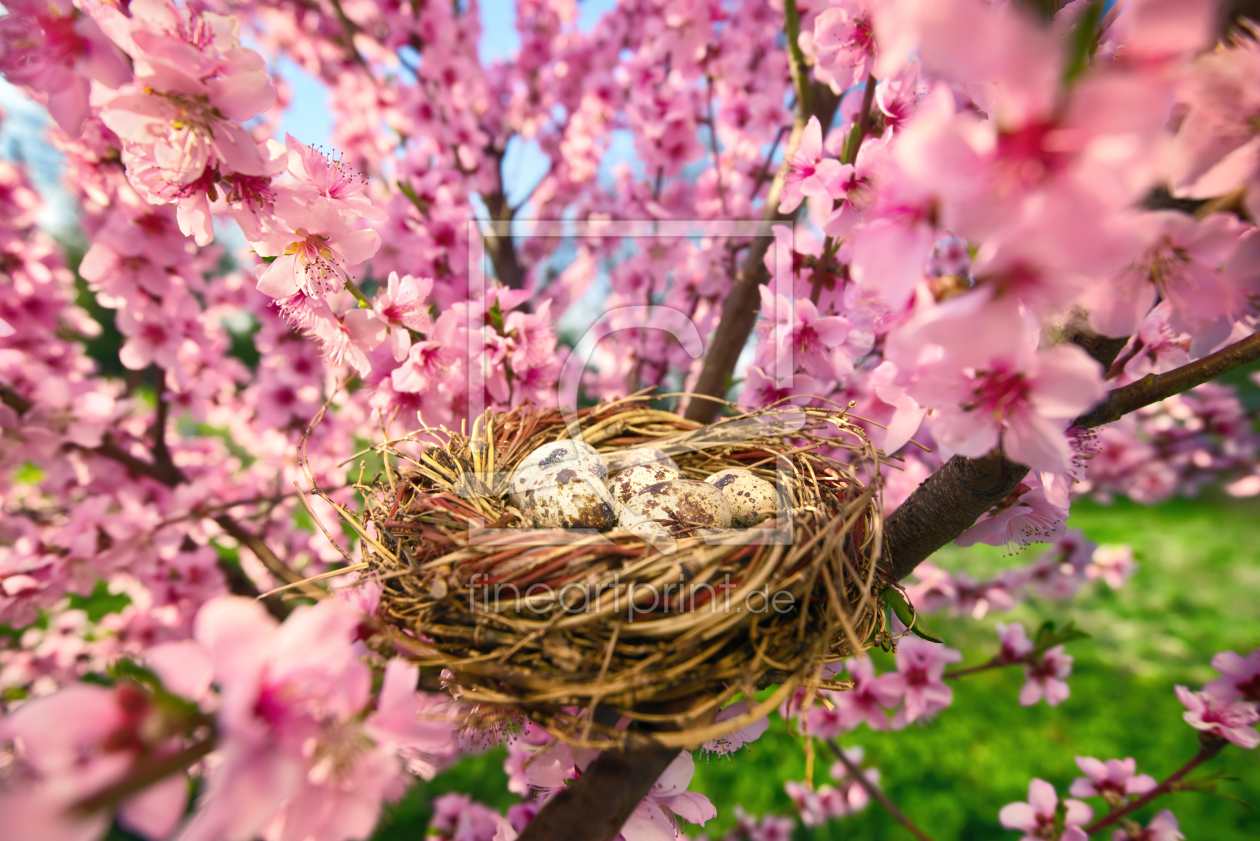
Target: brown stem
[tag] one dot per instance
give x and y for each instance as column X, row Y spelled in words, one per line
column 1211, row 747
column 143, row 775
column 172, row 476
column 713, row 145
column 963, row 489
column 1156, row 387
column 877, row 794
column 983, row 667
column 596, row 805
column 502, row 250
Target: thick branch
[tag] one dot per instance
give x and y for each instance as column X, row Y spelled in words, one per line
column 502, row 249
column 739, row 310
column 598, row 803
column 962, row 490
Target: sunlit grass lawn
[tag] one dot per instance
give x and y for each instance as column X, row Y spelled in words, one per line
column 1196, row 592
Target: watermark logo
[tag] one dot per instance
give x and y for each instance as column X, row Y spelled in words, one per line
column 647, row 317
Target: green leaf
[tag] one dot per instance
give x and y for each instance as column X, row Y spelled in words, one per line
column 267, row 259
column 1082, row 41
column 1208, row 785
column 495, row 316
column 908, row 615
column 1048, row 636
column 100, row 602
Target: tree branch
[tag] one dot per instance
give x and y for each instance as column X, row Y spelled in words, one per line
column 596, row 805
column 963, row 489
column 1211, row 746
column 739, row 310
column 877, row 793
column 502, row 249
column 145, row 774
column 171, row 476
column 1156, row 387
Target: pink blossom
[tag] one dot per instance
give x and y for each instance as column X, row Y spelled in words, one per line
column 1034, row 517
column 1232, row 720
column 845, row 41
column 1007, row 390
column 1113, row 564
column 1015, row 642
column 1240, row 677
column 314, row 256
column 1036, row 817
column 1046, row 678
column 920, row 679
column 797, row 335
column 1163, row 827
column 865, row 702
column 55, row 51
column 656, row 818
column 320, row 177
column 1113, row 780
column 731, row 742
column 808, row 171
column 402, row 306
column 1181, row 264
column 762, row 390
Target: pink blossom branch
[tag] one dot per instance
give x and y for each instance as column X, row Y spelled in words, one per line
column 1211, row 746
column 171, row 476
column 145, row 774
column 951, row 500
column 877, row 793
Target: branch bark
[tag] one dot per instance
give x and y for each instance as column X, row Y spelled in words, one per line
column 963, row 489
column 166, row 472
column 739, row 310
column 598, row 804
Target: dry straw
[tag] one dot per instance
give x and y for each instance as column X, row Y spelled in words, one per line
column 578, row 630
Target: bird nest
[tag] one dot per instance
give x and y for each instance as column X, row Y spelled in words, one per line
column 580, row 630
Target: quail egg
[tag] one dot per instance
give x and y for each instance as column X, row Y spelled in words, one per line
column 564, row 454
column 685, row 503
column 630, row 481
column 624, row 459
column 569, row 498
column 752, row 499
column 549, row 458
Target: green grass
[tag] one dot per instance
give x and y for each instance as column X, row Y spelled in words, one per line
column 1195, row 593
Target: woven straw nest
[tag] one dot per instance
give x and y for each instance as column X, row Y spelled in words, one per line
column 539, row 623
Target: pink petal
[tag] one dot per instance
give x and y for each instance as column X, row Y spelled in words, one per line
column 356, row 246
column 183, row 667
column 237, row 149
column 154, row 812
column 1019, row 816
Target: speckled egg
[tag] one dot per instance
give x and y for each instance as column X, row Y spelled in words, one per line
column 638, row 524
column 624, row 485
column 752, row 499
column 623, row 459
column 569, row 498
column 567, row 453
column 691, row 503
column 548, row 458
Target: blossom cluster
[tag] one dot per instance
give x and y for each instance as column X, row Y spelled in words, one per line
column 1058, row 573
